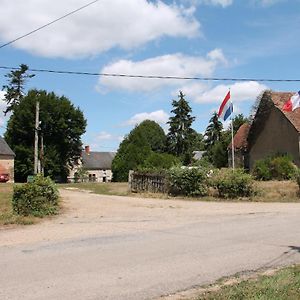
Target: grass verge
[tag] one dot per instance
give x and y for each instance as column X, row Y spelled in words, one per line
column 283, row 285
column 7, row 217
column 267, row 191
column 109, row 188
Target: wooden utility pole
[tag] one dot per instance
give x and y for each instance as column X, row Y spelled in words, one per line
column 36, row 137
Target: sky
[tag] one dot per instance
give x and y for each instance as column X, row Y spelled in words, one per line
column 187, row 38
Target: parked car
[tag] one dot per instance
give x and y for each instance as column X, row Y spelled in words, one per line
column 4, row 177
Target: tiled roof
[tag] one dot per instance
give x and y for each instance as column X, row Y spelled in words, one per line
column 240, row 138
column 97, row 160
column 4, row 148
column 279, row 98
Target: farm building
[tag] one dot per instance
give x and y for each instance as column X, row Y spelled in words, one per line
column 7, row 158
column 272, row 131
column 96, row 165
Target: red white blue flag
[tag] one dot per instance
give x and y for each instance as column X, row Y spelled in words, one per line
column 226, row 108
column 292, row 103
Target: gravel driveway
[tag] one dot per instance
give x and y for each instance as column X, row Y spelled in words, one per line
column 111, row 247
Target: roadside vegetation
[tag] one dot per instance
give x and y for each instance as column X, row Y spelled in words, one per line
column 108, row 188
column 283, row 285
column 26, row 203
column 7, row 216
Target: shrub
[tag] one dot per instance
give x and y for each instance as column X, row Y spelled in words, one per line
column 188, row 181
column 297, row 177
column 38, row 198
column 261, row 170
column 276, row 167
column 233, row 183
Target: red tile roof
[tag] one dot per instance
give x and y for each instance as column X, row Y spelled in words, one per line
column 279, row 98
column 240, row 138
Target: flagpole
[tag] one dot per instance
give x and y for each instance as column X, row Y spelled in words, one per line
column 232, row 142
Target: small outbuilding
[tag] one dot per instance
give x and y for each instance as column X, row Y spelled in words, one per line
column 7, row 160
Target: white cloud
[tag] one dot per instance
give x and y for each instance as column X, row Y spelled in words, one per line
column 100, row 27
column 240, row 91
column 167, row 65
column 158, row 116
column 222, row 3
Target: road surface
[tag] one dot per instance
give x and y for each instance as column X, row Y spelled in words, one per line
column 110, row 247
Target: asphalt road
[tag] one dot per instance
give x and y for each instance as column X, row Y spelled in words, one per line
column 109, row 247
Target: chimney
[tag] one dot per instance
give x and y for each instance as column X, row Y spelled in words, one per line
column 87, row 150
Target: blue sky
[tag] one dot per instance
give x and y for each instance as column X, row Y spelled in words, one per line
column 210, row 38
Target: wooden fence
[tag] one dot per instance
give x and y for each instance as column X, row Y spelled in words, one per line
column 152, row 183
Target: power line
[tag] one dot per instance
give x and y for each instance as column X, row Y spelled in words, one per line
column 153, row 76
column 48, row 24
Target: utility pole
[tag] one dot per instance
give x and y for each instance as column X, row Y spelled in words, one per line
column 36, row 137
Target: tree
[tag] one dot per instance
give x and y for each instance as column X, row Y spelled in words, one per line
column 61, row 127
column 14, row 90
column 213, row 131
column 238, row 120
column 180, row 135
column 144, row 139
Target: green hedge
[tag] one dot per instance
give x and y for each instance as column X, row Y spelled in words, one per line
column 232, row 183
column 38, row 198
column 276, row 167
column 188, row 181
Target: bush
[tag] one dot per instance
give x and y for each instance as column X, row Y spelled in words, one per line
column 188, row 181
column 277, row 167
column 38, row 198
column 297, row 177
column 233, row 183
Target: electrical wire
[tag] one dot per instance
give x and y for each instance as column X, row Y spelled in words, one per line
column 48, row 24
column 153, row 76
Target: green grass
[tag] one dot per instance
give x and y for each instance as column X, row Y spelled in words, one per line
column 7, row 217
column 268, row 191
column 109, row 188
column 284, row 285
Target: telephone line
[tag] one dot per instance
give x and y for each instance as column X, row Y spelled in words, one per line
column 153, row 76
column 48, row 24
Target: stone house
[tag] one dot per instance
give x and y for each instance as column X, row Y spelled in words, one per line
column 7, row 158
column 272, row 131
column 97, row 165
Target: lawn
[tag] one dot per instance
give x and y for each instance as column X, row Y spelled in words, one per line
column 7, row 216
column 109, row 188
column 283, row 285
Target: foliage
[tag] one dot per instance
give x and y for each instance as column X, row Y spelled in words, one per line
column 204, row 163
column 188, row 181
column 142, row 141
column 233, row 183
column 279, row 167
column 261, row 170
column 181, row 136
column 61, row 127
column 14, row 90
column 159, row 161
column 213, row 131
column 81, row 175
column 38, row 198
column 238, row 121
column 297, row 177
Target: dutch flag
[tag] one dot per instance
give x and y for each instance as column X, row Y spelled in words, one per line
column 226, row 108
